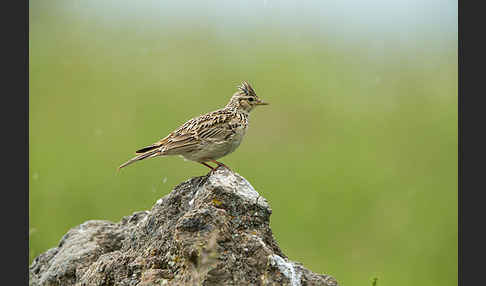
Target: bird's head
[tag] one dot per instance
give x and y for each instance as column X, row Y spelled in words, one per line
column 245, row 99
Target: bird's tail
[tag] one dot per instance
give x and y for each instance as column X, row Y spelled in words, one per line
column 148, row 154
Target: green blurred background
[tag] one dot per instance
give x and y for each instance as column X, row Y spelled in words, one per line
column 357, row 153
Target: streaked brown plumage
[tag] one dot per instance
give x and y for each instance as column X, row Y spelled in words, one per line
column 210, row 136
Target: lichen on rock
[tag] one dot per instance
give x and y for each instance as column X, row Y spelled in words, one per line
column 210, row 230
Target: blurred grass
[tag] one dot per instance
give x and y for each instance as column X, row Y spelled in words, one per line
column 357, row 156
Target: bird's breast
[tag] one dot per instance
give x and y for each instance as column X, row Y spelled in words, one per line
column 222, row 148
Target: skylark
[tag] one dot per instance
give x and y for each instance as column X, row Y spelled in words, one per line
column 210, row 136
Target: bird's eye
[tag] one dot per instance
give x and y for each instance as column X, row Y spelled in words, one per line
column 251, row 99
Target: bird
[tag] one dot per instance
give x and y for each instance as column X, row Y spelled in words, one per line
column 208, row 137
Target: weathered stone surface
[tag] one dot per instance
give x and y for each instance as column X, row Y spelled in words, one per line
column 210, row 230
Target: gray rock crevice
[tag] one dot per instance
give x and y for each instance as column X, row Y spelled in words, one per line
column 210, row 230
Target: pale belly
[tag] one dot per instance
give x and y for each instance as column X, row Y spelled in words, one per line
column 216, row 150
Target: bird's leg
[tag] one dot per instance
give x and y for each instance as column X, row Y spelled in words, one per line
column 209, row 166
column 220, row 164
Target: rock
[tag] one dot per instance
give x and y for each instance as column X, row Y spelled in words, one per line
column 210, row 230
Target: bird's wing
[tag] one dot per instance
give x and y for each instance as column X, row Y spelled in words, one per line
column 211, row 127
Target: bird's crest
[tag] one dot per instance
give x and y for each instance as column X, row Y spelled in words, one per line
column 246, row 88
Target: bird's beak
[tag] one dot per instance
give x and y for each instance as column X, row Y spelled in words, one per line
column 261, row 102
